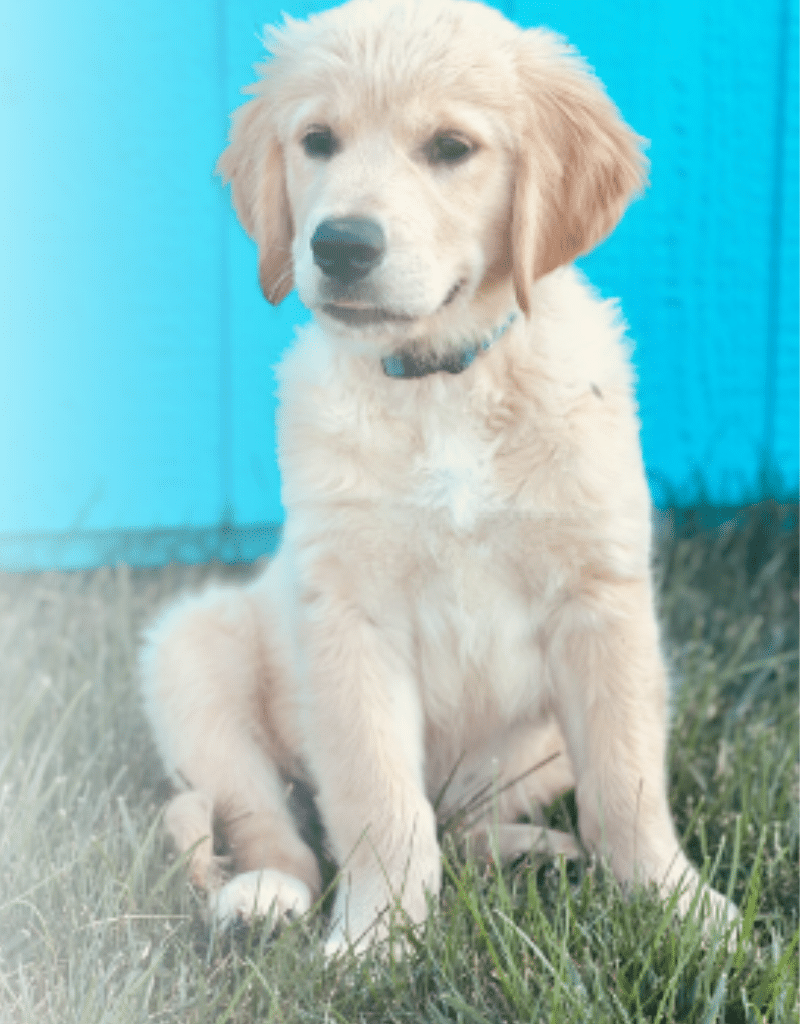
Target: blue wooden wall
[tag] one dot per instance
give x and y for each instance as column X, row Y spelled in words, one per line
column 136, row 390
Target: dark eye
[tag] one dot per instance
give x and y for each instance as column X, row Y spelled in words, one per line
column 320, row 142
column 448, row 149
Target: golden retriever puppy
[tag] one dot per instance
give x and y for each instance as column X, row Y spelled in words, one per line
column 462, row 600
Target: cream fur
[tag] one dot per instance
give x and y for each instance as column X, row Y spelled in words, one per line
column 463, row 589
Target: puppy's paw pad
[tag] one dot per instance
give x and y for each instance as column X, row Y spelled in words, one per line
column 259, row 894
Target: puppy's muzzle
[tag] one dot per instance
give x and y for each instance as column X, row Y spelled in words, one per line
column 346, row 249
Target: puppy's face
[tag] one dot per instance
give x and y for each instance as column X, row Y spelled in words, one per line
column 414, row 166
column 401, row 215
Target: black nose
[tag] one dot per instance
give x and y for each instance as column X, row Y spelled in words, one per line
column 347, row 248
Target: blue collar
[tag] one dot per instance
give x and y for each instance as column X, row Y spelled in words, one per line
column 407, row 364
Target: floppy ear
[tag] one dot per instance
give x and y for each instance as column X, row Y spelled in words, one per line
column 253, row 165
column 579, row 164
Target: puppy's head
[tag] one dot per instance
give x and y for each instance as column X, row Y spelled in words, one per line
column 414, row 166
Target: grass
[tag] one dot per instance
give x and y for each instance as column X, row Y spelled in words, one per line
column 97, row 922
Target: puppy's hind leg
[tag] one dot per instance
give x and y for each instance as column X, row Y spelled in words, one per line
column 208, row 684
column 506, row 841
column 534, row 769
column 189, row 822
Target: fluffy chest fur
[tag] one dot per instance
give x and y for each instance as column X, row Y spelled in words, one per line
column 453, row 478
column 526, row 437
column 466, row 502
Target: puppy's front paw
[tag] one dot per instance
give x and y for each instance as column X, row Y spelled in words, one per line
column 338, row 943
column 259, row 894
column 340, row 940
column 367, row 901
column 721, row 918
